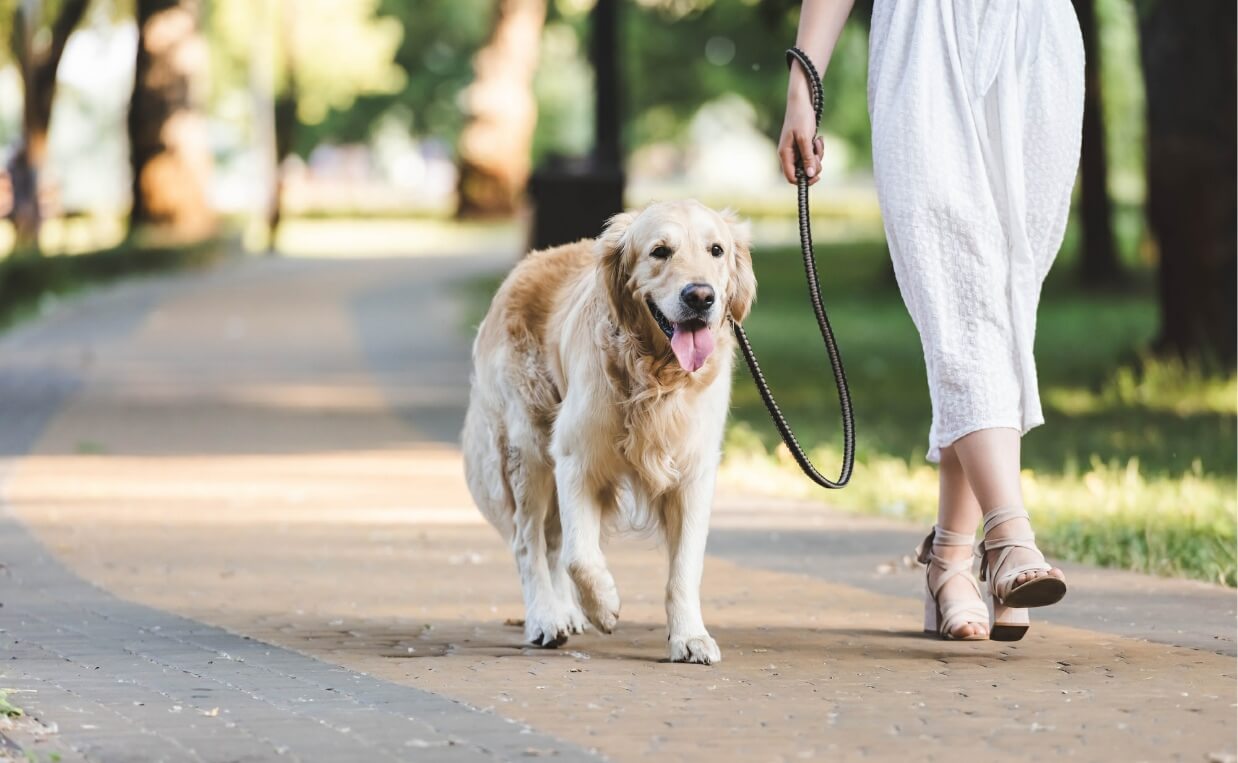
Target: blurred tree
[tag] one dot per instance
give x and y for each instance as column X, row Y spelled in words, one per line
column 315, row 63
column 168, row 148
column 433, row 57
column 1123, row 102
column 495, row 147
column 284, row 117
column 1098, row 257
column 341, row 50
column 1188, row 51
column 683, row 54
column 37, row 50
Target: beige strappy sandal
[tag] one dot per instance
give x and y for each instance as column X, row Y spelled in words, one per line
column 957, row 613
column 1009, row 601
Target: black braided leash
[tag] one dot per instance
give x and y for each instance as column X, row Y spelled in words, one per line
column 823, row 321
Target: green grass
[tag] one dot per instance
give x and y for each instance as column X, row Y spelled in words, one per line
column 7, row 708
column 1135, row 467
column 26, row 282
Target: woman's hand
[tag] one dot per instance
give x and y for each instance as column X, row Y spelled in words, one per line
column 799, row 132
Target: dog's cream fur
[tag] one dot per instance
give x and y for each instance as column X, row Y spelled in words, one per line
column 580, row 412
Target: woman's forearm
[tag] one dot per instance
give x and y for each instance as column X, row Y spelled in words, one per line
column 821, row 22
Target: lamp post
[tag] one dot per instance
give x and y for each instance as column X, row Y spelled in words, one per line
column 573, row 197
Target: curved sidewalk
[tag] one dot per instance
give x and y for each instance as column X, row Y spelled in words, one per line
column 236, row 529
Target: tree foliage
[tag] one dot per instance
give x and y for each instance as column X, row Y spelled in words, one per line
column 339, row 52
column 431, row 56
column 681, row 55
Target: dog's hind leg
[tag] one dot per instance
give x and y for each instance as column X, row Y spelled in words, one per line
column 531, row 481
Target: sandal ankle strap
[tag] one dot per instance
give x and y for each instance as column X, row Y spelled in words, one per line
column 1002, row 515
column 940, row 536
column 944, row 537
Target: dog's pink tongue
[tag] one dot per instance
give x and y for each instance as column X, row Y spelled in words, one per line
column 692, row 347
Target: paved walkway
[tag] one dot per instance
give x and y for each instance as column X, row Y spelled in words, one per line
column 234, row 528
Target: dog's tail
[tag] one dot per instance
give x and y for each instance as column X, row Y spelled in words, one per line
column 486, row 470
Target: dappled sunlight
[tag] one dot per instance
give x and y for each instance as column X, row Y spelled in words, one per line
column 306, row 397
column 1112, row 514
column 345, row 238
column 82, row 234
column 1157, row 385
column 96, row 496
column 232, row 395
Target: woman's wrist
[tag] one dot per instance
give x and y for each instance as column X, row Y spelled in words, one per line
column 798, row 92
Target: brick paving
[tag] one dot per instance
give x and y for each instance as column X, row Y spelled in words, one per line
column 103, row 679
column 235, row 529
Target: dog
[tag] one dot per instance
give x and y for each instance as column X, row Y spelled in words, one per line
column 601, row 382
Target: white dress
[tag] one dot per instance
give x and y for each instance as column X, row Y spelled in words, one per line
column 976, row 109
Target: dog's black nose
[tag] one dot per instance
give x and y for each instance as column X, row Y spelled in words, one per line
column 698, row 296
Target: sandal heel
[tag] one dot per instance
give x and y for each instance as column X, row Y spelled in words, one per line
column 931, row 621
column 1008, row 623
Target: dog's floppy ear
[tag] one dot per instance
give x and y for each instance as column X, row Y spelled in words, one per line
column 743, row 284
column 612, row 247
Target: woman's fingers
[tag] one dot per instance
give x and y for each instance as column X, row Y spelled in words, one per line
column 786, row 155
column 818, row 152
column 808, row 157
column 795, row 145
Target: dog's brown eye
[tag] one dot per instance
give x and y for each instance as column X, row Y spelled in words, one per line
column 661, row 252
column 716, row 250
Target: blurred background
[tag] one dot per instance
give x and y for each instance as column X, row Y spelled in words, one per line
column 153, row 134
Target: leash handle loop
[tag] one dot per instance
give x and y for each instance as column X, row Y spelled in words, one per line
column 815, row 91
column 823, row 321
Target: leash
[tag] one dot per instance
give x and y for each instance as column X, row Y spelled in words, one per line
column 823, row 321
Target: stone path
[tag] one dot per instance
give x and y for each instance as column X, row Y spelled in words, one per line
column 234, row 528
column 100, row 678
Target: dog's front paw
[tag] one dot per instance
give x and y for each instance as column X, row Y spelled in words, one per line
column 700, row 649
column 576, row 620
column 598, row 596
column 548, row 629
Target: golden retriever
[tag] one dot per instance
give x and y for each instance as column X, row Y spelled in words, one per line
column 601, row 381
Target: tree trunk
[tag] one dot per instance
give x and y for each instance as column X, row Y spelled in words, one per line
column 1188, row 51
column 167, row 139
column 495, row 145
column 38, row 71
column 1098, row 258
column 285, row 119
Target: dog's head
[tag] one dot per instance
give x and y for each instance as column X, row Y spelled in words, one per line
column 675, row 271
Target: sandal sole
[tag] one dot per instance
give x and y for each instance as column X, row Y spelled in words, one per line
column 1040, row 592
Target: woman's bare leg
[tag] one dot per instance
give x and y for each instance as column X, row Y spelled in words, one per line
column 990, row 459
column 957, row 511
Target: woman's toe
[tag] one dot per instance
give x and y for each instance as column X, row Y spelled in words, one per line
column 969, row 630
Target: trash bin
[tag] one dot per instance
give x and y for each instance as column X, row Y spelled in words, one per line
column 572, row 199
